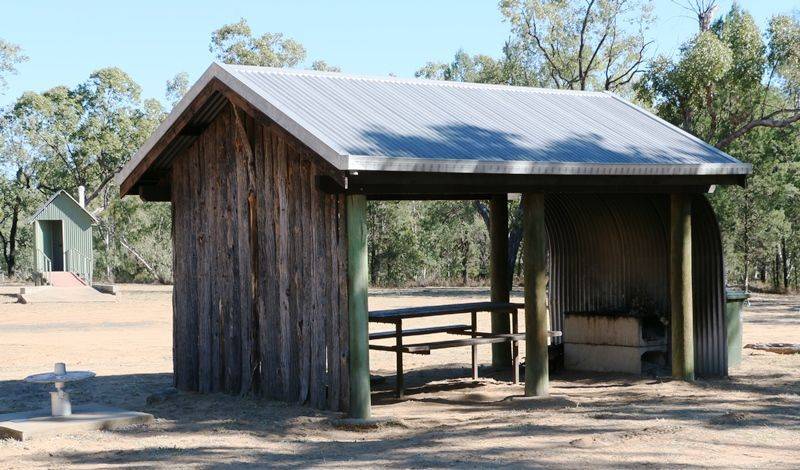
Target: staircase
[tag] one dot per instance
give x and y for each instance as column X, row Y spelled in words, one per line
column 64, row 279
column 63, row 286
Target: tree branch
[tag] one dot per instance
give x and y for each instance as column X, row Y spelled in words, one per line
column 582, row 44
column 767, row 121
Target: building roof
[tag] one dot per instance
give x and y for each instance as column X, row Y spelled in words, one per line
column 61, row 193
column 389, row 124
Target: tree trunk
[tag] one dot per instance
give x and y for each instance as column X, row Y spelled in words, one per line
column 11, row 255
column 107, row 240
column 785, row 259
column 514, row 239
column 464, row 261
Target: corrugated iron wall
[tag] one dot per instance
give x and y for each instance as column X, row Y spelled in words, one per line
column 610, row 252
column 708, row 289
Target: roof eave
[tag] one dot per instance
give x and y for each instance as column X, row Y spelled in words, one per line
column 405, row 164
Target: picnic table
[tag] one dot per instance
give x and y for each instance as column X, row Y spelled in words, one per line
column 472, row 337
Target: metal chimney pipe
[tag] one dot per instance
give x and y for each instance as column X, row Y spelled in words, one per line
column 82, row 196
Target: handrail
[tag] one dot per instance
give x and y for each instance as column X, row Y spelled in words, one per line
column 80, row 264
column 47, row 266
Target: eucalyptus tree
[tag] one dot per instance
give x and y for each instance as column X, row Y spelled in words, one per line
column 176, row 87
column 738, row 88
column 10, row 56
column 82, row 136
column 17, row 191
column 582, row 44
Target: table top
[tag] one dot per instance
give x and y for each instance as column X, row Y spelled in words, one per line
column 448, row 309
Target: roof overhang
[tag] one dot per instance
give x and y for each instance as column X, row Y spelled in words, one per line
column 218, row 85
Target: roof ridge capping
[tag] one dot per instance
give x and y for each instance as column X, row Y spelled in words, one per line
column 233, row 68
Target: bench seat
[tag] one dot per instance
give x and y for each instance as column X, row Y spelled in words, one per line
column 422, row 331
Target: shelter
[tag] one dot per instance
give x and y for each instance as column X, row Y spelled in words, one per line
column 62, row 238
column 269, row 171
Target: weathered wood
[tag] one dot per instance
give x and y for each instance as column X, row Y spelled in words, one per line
column 357, row 284
column 246, row 244
column 534, row 242
column 421, row 331
column 777, row 348
column 447, row 309
column 180, row 123
column 682, row 324
column 260, row 284
column 203, row 187
column 344, row 302
column 455, row 343
column 498, row 272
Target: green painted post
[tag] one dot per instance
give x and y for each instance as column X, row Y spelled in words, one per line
column 498, row 272
column 534, row 240
column 681, row 287
column 357, row 284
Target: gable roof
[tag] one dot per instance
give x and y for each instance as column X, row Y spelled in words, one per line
column 388, row 124
column 59, row 193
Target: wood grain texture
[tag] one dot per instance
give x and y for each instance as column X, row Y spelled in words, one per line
column 260, row 256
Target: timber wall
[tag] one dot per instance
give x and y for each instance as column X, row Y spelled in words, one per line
column 611, row 252
column 260, row 302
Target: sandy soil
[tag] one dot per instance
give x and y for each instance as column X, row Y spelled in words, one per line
column 750, row 420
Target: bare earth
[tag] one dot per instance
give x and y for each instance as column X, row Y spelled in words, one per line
column 750, row 420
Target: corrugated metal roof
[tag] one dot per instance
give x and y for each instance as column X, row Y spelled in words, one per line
column 377, row 123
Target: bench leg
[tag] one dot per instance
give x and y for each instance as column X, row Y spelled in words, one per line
column 399, row 343
column 515, row 346
column 474, row 347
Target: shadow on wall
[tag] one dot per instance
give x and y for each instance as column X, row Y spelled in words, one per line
column 484, row 144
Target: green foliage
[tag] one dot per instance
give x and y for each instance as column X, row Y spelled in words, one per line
column 737, row 88
column 69, row 137
column 466, row 68
column 426, row 242
column 10, row 56
column 177, row 87
column 322, row 66
column 235, row 44
column 576, row 44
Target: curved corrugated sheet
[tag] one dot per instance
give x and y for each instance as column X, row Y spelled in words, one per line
column 611, row 252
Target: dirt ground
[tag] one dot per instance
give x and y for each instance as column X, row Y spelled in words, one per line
column 751, row 419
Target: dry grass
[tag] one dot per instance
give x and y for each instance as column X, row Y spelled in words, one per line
column 750, row 420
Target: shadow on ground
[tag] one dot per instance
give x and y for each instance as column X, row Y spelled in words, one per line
column 441, row 407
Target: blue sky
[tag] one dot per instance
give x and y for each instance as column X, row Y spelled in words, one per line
column 154, row 40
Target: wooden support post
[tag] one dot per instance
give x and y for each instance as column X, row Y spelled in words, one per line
column 498, row 271
column 681, row 286
column 515, row 346
column 357, row 284
column 398, row 338
column 534, row 240
column 474, row 318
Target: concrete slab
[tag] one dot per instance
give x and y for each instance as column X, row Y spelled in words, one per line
column 50, row 294
column 28, row 424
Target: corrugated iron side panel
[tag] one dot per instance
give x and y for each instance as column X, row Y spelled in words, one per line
column 610, row 252
column 708, row 290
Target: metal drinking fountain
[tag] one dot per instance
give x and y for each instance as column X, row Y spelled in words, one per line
column 59, row 399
